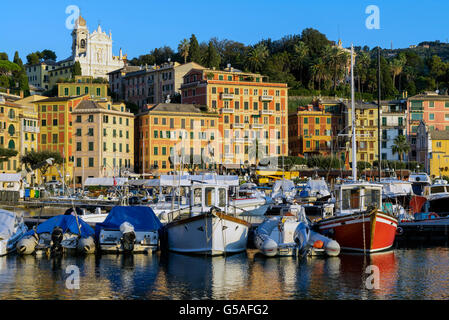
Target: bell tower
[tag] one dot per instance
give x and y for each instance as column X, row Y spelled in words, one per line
column 79, row 37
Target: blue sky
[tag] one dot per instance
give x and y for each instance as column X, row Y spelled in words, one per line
column 139, row 26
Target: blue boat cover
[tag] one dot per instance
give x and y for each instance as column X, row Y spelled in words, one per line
column 67, row 223
column 142, row 218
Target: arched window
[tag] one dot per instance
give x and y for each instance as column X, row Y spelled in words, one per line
column 11, row 130
column 11, row 144
column 11, row 114
column 83, row 43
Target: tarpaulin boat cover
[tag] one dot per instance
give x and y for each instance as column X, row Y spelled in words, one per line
column 142, row 218
column 68, row 223
column 283, row 186
column 7, row 223
column 315, row 187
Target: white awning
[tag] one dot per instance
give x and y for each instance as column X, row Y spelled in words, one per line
column 10, row 177
column 105, row 181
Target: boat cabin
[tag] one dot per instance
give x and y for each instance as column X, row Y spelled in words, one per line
column 440, row 186
column 357, row 197
column 204, row 196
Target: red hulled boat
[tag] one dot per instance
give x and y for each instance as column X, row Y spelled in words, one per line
column 358, row 224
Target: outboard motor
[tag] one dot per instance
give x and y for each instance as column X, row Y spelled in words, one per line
column 56, row 238
column 128, row 236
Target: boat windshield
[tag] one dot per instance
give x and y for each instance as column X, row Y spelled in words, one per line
column 222, row 197
column 372, row 197
column 351, row 199
column 437, row 189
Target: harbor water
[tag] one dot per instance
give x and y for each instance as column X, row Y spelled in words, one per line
column 403, row 273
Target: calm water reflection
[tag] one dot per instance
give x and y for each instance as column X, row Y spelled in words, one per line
column 404, row 274
column 420, row 273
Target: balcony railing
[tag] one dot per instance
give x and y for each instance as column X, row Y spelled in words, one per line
column 227, row 96
column 266, row 112
column 257, row 126
column 266, row 98
column 238, row 126
column 227, row 110
column 239, row 140
column 31, row 129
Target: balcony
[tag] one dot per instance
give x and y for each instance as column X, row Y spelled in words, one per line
column 229, row 155
column 31, row 129
column 266, row 98
column 266, row 112
column 227, row 96
column 256, row 126
column 227, row 110
column 238, row 126
column 239, row 140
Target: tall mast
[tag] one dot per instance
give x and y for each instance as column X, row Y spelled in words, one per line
column 354, row 145
column 378, row 114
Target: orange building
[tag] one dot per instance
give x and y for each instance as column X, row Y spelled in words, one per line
column 310, row 131
column 252, row 112
column 169, row 134
column 56, row 132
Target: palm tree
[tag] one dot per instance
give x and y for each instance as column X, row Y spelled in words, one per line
column 257, row 57
column 299, row 57
column 183, row 49
column 319, row 71
column 400, row 146
column 361, row 67
column 396, row 66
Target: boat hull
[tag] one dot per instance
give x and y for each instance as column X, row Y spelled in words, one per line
column 210, row 234
column 367, row 233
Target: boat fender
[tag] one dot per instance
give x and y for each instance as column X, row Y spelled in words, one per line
column 399, row 231
column 318, row 244
column 27, row 245
column 86, row 245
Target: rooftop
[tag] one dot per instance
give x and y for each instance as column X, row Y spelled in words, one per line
column 439, row 135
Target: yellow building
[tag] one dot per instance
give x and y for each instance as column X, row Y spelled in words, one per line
column 10, row 132
column 56, row 132
column 433, row 150
column 366, row 131
column 169, row 133
column 103, row 140
column 95, row 88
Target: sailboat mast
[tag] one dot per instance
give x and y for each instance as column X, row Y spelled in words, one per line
column 354, row 145
column 378, row 114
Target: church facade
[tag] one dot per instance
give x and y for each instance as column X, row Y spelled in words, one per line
column 92, row 50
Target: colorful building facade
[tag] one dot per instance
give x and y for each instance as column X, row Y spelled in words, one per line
column 310, row 132
column 82, row 85
column 170, row 136
column 252, row 112
column 103, row 140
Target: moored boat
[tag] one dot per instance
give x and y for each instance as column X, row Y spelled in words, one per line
column 60, row 234
column 207, row 228
column 128, row 229
column 12, row 229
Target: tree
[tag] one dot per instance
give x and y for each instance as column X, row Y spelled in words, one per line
column 17, row 59
column 256, row 57
column 3, row 56
column 76, row 69
column 6, row 153
column 47, row 55
column 396, row 66
column 194, row 50
column 212, row 58
column 183, row 49
column 400, row 146
column 33, row 58
column 38, row 160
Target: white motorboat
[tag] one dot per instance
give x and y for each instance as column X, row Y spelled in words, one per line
column 129, row 229
column 419, row 180
column 208, row 228
column 291, row 235
column 12, row 229
column 437, row 196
